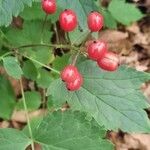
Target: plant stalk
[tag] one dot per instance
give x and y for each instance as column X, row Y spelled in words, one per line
column 26, row 112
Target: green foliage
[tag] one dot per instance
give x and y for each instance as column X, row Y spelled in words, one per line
column 33, row 101
column 12, row 67
column 30, row 34
column 58, row 130
column 44, row 78
column 11, row 8
column 68, row 130
column 38, row 14
column 113, row 99
column 109, row 21
column 29, row 70
column 123, row 12
column 60, row 62
column 106, row 101
column 13, row 139
column 81, row 7
column 7, row 98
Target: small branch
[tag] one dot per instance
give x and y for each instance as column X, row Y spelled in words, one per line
column 26, row 112
column 68, row 38
column 41, row 64
column 75, row 58
column 57, row 36
column 6, row 54
column 46, row 45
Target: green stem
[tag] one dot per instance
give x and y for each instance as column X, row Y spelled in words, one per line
column 26, row 112
column 57, row 36
column 6, row 54
column 75, row 58
column 41, row 64
column 46, row 45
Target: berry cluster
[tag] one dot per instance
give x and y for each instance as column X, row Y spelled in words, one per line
column 72, row 77
column 96, row 49
column 68, row 18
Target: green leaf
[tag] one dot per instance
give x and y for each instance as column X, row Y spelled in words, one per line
column 29, row 70
column 43, row 55
column 12, row 139
column 70, row 131
column 12, row 67
column 11, row 8
column 123, row 12
column 60, row 62
column 7, row 98
column 77, row 36
column 44, row 78
column 33, row 101
column 109, row 20
column 81, row 7
column 30, row 34
column 113, row 99
column 38, row 13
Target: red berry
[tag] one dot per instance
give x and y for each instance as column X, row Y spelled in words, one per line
column 76, row 84
column 68, row 20
column 49, row 6
column 69, row 73
column 96, row 50
column 109, row 62
column 95, row 21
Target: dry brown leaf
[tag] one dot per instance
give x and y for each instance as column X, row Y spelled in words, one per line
column 4, row 124
column 20, row 116
column 112, row 35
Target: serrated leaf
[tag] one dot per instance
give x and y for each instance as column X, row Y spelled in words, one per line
column 7, row 98
column 12, row 139
column 113, row 99
column 33, row 101
column 109, row 20
column 12, row 67
column 70, row 131
column 38, row 13
column 29, row 70
column 30, row 34
column 44, row 78
column 77, row 36
column 123, row 12
column 9, row 8
column 60, row 62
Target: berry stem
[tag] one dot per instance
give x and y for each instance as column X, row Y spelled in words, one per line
column 75, row 58
column 57, row 36
column 67, row 37
column 26, row 112
column 6, row 54
column 44, row 23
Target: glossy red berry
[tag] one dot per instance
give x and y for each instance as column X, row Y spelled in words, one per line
column 96, row 50
column 69, row 73
column 109, row 62
column 76, row 84
column 68, row 20
column 49, row 6
column 95, row 21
